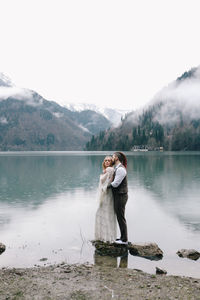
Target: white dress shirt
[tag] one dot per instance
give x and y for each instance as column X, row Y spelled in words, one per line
column 120, row 174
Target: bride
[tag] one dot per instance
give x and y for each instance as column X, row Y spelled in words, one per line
column 105, row 223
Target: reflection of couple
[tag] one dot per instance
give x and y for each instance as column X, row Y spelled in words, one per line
column 113, row 195
column 111, row 261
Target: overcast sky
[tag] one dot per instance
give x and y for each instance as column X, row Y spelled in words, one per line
column 108, row 52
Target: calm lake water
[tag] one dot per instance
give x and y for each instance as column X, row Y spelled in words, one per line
column 48, row 202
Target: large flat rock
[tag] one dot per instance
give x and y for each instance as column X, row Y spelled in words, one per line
column 146, row 250
column 110, row 249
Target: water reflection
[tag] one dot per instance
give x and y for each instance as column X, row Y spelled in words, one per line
column 48, row 205
column 173, row 180
column 110, row 261
column 32, row 179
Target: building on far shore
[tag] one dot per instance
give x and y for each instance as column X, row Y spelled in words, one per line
column 145, row 148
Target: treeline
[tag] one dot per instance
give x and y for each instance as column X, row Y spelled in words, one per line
column 145, row 132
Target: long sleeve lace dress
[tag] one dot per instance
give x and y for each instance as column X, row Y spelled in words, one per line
column 105, row 223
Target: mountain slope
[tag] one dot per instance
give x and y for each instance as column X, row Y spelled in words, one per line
column 29, row 122
column 171, row 120
column 27, row 127
column 113, row 115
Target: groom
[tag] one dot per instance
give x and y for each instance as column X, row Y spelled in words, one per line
column 120, row 194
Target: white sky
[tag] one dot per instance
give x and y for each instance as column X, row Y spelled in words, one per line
column 108, row 52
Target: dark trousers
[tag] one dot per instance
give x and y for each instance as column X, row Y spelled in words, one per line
column 119, row 207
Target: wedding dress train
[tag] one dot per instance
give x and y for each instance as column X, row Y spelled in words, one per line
column 105, row 222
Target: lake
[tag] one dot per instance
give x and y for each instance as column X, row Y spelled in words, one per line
column 48, row 202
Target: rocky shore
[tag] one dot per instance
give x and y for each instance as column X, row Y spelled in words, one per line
column 104, row 280
column 82, row 282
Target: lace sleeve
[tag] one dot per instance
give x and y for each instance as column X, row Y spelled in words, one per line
column 106, row 178
column 110, row 172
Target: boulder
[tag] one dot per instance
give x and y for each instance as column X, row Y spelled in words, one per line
column 2, row 248
column 109, row 249
column 147, row 250
column 160, row 271
column 188, row 253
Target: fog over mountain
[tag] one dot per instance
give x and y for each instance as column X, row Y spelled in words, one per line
column 182, row 96
column 170, row 120
column 114, row 115
column 30, row 122
column 5, row 81
column 8, row 89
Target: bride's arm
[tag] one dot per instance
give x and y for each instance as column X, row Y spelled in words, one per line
column 103, row 178
column 106, row 179
column 110, row 172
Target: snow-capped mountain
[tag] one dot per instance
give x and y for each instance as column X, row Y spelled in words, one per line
column 8, row 89
column 30, row 122
column 5, row 81
column 113, row 115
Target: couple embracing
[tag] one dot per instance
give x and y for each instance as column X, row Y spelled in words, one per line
column 113, row 195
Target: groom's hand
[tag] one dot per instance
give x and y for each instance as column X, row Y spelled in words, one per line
column 109, row 186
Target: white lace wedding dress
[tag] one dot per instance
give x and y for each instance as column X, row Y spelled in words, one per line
column 105, row 223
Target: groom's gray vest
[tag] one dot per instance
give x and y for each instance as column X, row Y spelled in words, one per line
column 123, row 187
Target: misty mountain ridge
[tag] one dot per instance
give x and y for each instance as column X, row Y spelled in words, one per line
column 170, row 120
column 113, row 114
column 5, row 81
column 30, row 122
column 180, row 99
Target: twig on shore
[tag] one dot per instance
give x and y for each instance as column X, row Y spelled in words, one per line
column 110, row 290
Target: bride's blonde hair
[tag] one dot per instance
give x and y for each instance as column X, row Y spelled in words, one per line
column 111, row 162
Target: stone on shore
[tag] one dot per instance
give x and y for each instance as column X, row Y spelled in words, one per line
column 160, row 271
column 149, row 251
column 188, row 253
column 2, row 248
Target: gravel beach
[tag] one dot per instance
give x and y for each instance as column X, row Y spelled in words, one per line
column 81, row 282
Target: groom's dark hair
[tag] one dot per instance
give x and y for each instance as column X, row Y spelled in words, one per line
column 122, row 158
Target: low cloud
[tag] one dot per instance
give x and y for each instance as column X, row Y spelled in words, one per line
column 84, row 128
column 19, row 94
column 180, row 99
column 3, row 120
column 58, row 115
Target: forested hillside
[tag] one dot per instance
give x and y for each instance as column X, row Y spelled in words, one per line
column 171, row 120
column 30, row 122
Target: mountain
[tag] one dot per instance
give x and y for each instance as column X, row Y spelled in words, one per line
column 5, row 81
column 91, row 121
column 171, row 120
column 113, row 115
column 30, row 122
